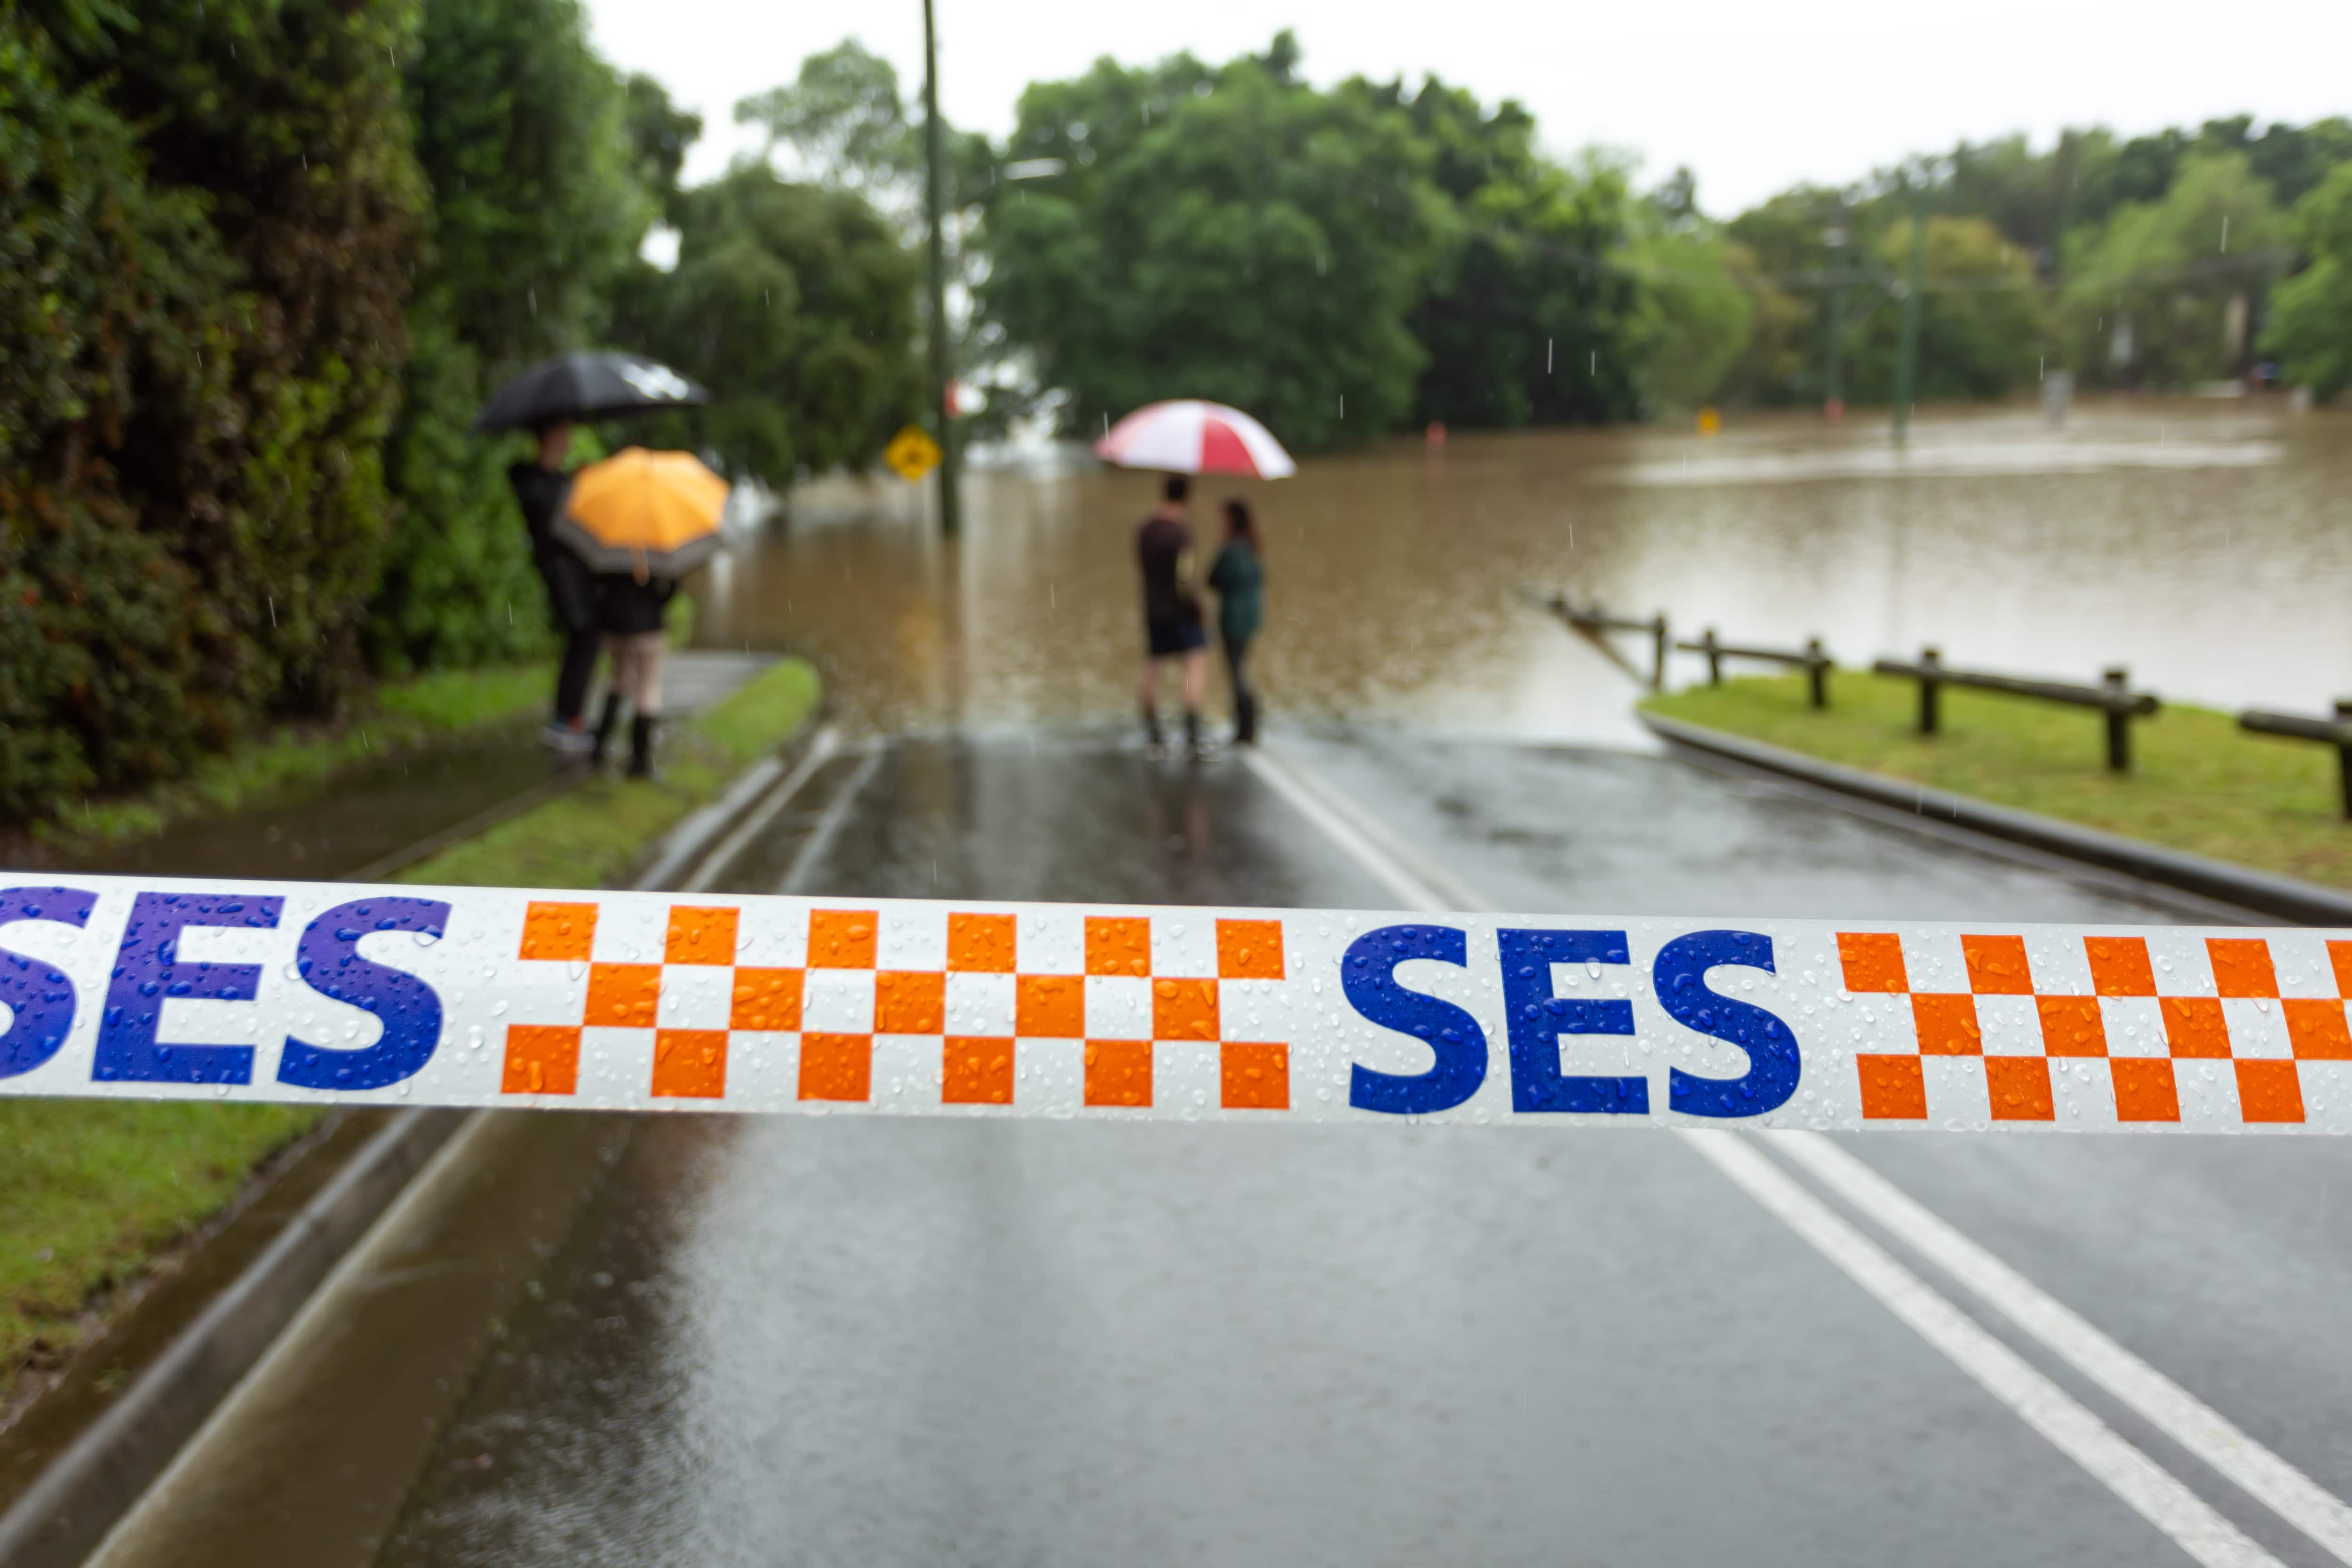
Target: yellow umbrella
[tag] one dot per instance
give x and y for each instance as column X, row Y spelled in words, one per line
column 652, row 513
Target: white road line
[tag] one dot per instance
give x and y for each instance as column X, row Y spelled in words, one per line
column 820, row 751
column 2156, row 1493
column 829, row 825
column 1365, row 839
column 2178, row 1413
column 2152, row 1491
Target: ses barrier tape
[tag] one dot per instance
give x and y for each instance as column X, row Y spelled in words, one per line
column 469, row 997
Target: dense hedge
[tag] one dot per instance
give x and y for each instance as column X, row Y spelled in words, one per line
column 209, row 216
column 521, row 134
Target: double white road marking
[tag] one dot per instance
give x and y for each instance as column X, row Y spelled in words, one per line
column 2152, row 1491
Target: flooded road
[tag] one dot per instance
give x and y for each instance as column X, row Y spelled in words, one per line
column 823, row 1339
column 2207, row 544
column 819, row 1340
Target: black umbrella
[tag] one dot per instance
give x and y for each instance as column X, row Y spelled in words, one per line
column 586, row 386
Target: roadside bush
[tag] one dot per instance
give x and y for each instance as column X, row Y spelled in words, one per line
column 205, row 225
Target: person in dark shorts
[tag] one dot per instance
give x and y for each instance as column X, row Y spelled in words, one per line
column 541, row 490
column 1238, row 574
column 1172, row 613
column 629, row 609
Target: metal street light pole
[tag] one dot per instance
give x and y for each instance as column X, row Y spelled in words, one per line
column 1907, row 365
column 1833, row 376
column 943, row 417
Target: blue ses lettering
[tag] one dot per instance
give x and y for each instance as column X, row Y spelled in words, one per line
column 328, row 958
column 40, row 999
column 1367, row 976
column 1535, row 1017
column 148, row 972
column 1774, row 1062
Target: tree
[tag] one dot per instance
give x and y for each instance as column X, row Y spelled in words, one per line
column 524, row 136
column 111, row 292
column 2163, row 292
column 795, row 305
column 1233, row 235
column 1696, row 306
column 1981, row 331
column 221, row 197
column 1529, row 324
column 660, row 136
column 2310, row 327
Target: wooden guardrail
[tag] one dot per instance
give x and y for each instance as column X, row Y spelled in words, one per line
column 1594, row 618
column 2113, row 696
column 2336, row 731
column 1814, row 660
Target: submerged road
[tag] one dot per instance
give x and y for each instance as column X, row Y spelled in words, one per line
column 847, row 1339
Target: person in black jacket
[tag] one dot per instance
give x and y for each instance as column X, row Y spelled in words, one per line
column 629, row 608
column 540, row 488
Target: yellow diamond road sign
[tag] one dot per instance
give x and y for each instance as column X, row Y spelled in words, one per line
column 912, row 453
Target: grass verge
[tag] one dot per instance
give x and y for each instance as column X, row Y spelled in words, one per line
column 403, row 713
column 2197, row 782
column 588, row 836
column 93, row 1193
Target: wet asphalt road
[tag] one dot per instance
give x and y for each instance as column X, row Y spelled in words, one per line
column 807, row 1340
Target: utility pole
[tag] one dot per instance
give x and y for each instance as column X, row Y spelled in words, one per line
column 943, row 418
column 1832, row 374
column 1906, row 364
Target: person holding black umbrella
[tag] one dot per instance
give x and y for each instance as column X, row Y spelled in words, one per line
column 547, row 400
column 540, row 487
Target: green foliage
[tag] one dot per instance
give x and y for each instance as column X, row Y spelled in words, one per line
column 2155, row 295
column 1980, row 319
column 526, row 140
column 1695, row 311
column 589, row 836
column 660, row 136
column 1233, row 235
column 795, row 306
column 1529, row 325
column 208, row 218
column 2197, row 782
column 2310, row 327
column 92, row 1192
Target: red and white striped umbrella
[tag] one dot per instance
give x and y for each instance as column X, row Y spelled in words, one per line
column 1189, row 436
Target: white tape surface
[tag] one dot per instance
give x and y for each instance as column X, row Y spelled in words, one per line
column 468, row 996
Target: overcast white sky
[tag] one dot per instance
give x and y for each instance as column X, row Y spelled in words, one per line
column 1752, row 97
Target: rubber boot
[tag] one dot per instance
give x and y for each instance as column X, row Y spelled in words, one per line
column 605, row 724
column 641, row 746
column 1193, row 746
column 1155, row 744
column 1245, row 718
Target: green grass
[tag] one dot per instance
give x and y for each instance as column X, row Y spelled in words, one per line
column 589, row 836
column 91, row 1190
column 2197, row 782
column 402, row 714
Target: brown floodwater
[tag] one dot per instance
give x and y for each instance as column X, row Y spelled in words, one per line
column 2205, row 544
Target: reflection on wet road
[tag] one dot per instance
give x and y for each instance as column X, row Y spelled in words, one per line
column 819, row 1341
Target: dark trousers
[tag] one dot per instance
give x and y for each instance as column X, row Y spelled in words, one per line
column 572, row 675
column 1245, row 700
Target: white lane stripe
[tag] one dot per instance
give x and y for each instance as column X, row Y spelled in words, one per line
column 820, row 751
column 2178, row 1413
column 829, row 823
column 2151, row 1490
column 1361, row 837
column 2154, row 1491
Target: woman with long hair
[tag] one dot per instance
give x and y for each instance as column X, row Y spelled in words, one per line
column 1238, row 576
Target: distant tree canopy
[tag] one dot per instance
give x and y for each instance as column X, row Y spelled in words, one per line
column 523, row 138
column 2311, row 322
column 1230, row 235
column 795, row 305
